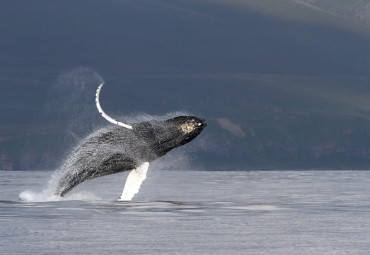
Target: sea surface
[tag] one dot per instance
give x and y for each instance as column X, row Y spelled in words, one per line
column 191, row 212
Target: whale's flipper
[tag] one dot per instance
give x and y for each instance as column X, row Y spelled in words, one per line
column 106, row 116
column 133, row 182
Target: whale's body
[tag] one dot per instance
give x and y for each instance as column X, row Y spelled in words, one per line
column 125, row 147
column 118, row 149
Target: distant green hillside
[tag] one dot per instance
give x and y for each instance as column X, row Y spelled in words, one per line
column 283, row 84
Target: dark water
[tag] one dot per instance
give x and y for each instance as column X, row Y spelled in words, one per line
column 191, row 212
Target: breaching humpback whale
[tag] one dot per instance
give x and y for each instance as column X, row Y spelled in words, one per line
column 125, row 147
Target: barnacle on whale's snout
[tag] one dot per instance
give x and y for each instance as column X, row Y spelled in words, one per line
column 187, row 127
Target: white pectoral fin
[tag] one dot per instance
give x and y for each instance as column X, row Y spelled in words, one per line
column 133, row 182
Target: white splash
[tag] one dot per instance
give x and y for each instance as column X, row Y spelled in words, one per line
column 47, row 193
column 30, row 196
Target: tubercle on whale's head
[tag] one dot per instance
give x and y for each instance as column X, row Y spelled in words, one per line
column 189, row 127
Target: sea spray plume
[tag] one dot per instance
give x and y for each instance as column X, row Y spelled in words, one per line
column 69, row 99
column 125, row 147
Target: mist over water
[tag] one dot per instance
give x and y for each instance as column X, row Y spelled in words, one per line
column 73, row 95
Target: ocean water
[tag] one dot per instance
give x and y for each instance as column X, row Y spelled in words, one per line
column 191, row 212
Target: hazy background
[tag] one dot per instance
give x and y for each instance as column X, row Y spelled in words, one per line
column 283, row 84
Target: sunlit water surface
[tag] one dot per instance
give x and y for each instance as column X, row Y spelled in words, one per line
column 192, row 212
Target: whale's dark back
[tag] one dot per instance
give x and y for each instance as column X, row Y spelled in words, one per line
column 118, row 149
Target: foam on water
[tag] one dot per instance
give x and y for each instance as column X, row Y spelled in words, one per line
column 46, row 196
column 30, row 196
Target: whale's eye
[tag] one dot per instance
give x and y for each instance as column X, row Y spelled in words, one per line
column 187, row 127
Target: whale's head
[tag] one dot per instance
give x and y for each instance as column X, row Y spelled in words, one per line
column 186, row 128
column 162, row 136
